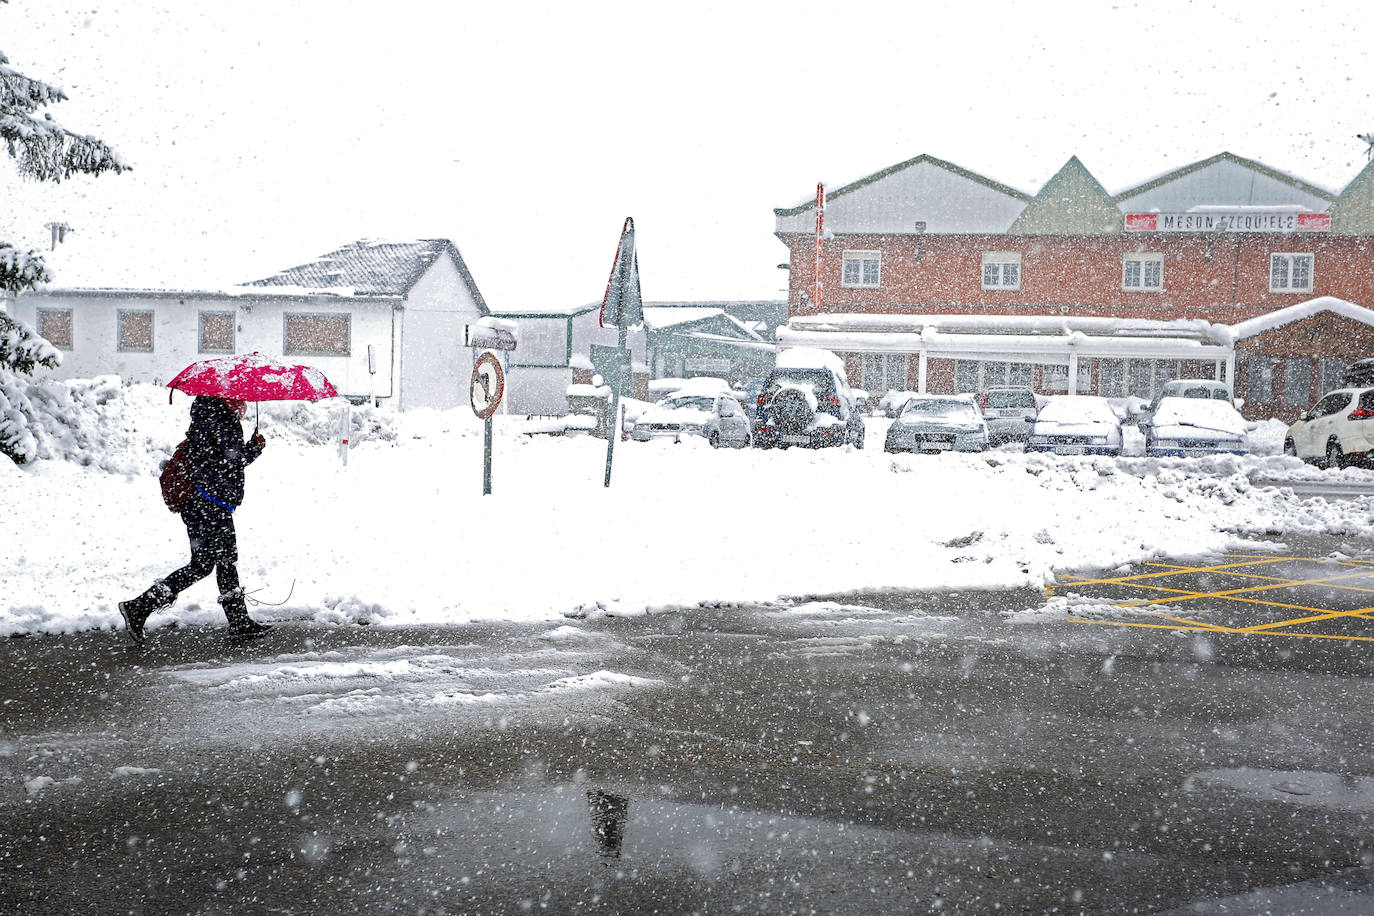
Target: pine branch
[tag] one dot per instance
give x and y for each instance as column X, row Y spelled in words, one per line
column 21, row 270
column 46, row 151
column 22, row 350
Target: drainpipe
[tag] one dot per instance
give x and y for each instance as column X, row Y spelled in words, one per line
column 921, row 372
column 1073, row 373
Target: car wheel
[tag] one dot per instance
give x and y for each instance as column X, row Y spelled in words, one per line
column 1289, row 448
column 1334, row 459
column 714, row 440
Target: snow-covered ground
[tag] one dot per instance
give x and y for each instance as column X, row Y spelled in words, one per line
column 403, row 534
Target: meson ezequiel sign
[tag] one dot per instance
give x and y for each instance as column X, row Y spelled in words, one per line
column 1228, row 222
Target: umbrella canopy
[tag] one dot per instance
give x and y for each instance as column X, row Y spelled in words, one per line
column 253, row 377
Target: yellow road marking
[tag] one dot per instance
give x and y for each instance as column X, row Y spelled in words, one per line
column 1165, row 626
column 1171, row 572
column 1328, row 615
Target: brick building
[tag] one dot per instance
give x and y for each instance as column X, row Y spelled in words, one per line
column 1179, row 258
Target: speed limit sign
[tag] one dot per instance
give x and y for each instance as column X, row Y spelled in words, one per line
column 488, row 384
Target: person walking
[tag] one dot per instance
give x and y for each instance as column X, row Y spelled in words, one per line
column 217, row 455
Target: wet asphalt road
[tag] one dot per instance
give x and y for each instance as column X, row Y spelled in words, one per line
column 865, row 754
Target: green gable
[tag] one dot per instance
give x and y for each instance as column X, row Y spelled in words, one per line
column 1070, row 203
column 1353, row 211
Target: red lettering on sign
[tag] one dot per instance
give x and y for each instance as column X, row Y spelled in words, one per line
column 1142, row 222
column 1314, row 222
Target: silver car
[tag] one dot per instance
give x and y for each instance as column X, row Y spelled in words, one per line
column 1009, row 411
column 938, row 423
column 719, row 419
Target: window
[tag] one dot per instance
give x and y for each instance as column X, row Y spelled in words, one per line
column 1297, row 382
column 1111, row 377
column 1138, row 378
column 965, row 376
column 318, row 335
column 1001, row 270
column 1332, row 403
column 1330, row 374
column 135, row 331
column 1142, row 272
column 1259, row 388
column 1290, row 273
column 861, row 268
column 883, row 371
column 55, row 326
column 216, row 333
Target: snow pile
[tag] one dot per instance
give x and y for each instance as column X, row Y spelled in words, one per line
column 402, row 534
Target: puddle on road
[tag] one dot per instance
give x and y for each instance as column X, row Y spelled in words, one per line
column 1332, row 791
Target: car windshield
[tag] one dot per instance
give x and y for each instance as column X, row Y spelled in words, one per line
column 692, row 401
column 1006, row 399
column 929, row 408
column 816, row 379
column 1077, row 410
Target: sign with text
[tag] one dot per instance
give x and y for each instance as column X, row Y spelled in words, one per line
column 1228, row 222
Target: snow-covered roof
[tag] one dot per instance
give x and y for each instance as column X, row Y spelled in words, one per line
column 372, row 267
column 660, row 318
column 1000, row 324
column 1298, row 312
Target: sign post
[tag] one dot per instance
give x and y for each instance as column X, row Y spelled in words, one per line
column 372, row 373
column 621, row 307
column 488, row 385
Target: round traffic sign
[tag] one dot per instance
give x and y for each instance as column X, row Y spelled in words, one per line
column 488, row 384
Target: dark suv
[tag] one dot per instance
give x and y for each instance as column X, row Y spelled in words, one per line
column 807, row 405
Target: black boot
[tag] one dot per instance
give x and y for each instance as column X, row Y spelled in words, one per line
column 236, row 611
column 137, row 611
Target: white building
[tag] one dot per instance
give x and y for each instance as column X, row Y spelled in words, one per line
column 405, row 302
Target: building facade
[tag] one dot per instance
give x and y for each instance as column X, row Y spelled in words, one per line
column 398, row 308
column 1218, row 242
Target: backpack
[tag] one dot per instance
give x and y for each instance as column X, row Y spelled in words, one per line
column 177, row 485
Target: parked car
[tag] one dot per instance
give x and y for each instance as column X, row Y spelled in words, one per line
column 1198, row 388
column 1006, row 410
column 718, row 418
column 1360, row 374
column 806, row 400
column 1190, row 427
column 938, row 423
column 1338, row 431
column 1075, row 424
column 891, row 404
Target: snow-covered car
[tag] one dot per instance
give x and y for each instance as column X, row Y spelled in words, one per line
column 1338, row 431
column 718, row 418
column 1076, row 424
column 1196, row 388
column 938, row 423
column 1006, row 410
column 891, row 404
column 1190, row 427
column 806, row 400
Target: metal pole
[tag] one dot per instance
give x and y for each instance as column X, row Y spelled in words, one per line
column 486, row 460
column 614, row 432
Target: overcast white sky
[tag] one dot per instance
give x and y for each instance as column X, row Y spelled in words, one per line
column 263, row 134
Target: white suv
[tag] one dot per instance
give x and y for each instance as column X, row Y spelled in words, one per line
column 1336, row 432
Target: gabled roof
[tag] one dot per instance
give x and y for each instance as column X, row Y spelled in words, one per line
column 902, row 166
column 940, row 194
column 1299, row 312
column 1353, row 211
column 1073, row 202
column 712, row 322
column 1249, row 164
column 377, row 268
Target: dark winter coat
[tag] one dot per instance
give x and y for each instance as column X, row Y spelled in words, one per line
column 217, row 452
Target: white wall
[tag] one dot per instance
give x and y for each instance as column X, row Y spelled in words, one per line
column 435, row 366
column 260, row 325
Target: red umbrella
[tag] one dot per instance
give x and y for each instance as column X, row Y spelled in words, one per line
column 252, row 377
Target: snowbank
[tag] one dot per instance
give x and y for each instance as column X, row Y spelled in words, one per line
column 403, row 535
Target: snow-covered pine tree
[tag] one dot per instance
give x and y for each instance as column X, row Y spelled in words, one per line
column 44, row 151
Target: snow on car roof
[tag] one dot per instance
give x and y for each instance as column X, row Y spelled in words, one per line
column 810, row 358
column 1209, row 414
column 1070, row 407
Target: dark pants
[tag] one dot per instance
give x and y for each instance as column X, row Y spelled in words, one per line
column 214, row 547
